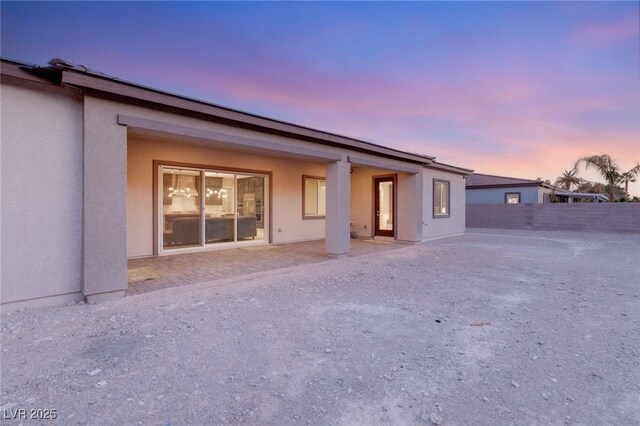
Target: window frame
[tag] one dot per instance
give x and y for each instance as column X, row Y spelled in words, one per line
column 305, row 216
column 506, row 197
column 433, row 197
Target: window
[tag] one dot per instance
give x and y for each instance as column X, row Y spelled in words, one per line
column 512, row 198
column 441, row 196
column 314, row 191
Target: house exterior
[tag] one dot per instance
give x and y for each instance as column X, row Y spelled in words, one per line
column 96, row 171
column 491, row 189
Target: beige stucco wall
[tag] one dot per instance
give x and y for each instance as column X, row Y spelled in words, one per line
column 455, row 223
column 286, row 186
column 41, row 196
column 362, row 199
column 362, row 203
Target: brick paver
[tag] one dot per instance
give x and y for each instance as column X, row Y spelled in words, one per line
column 191, row 268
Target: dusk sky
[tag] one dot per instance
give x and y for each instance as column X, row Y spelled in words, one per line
column 520, row 89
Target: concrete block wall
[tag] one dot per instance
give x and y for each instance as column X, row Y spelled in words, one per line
column 592, row 217
column 497, row 216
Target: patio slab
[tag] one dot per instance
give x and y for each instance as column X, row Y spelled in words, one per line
column 155, row 273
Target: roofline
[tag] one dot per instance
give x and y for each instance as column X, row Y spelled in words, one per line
column 17, row 62
column 509, row 177
column 581, row 194
column 17, row 69
column 448, row 168
column 505, row 185
column 72, row 75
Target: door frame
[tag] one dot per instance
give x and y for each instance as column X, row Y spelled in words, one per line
column 377, row 232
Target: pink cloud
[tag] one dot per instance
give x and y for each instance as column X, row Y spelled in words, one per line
column 536, row 151
column 521, row 125
column 598, row 34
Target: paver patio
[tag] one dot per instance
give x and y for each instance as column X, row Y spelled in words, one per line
column 155, row 273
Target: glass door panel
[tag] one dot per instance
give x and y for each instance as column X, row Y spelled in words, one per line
column 251, row 207
column 180, row 208
column 219, row 207
column 384, row 203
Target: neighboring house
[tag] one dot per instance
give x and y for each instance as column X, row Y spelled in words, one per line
column 96, row 170
column 490, row 189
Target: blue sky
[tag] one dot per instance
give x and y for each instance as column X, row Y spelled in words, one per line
column 518, row 88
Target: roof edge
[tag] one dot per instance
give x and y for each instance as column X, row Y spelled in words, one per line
column 505, row 185
column 448, row 168
column 84, row 77
column 23, row 70
column 508, row 177
column 132, row 90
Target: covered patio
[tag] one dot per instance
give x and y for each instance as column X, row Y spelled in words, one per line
column 155, row 273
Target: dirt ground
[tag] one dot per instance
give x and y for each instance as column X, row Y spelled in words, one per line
column 493, row 327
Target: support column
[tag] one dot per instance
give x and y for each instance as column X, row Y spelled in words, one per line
column 410, row 206
column 105, row 202
column 338, row 215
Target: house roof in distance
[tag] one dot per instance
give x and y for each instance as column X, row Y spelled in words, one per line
column 479, row 180
column 62, row 72
column 586, row 195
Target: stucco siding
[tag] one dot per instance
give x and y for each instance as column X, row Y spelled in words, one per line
column 528, row 194
column 362, row 199
column 42, row 193
column 455, row 223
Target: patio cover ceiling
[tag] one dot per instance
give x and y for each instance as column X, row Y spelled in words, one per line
column 225, row 141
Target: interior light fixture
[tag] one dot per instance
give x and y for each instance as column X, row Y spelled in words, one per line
column 181, row 188
column 218, row 193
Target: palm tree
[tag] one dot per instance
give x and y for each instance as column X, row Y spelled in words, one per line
column 629, row 176
column 607, row 168
column 568, row 178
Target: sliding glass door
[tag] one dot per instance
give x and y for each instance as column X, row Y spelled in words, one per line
column 181, row 208
column 202, row 207
column 220, row 214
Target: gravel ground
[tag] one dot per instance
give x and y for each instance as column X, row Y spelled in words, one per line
column 493, row 327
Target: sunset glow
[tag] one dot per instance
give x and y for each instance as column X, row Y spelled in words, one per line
column 518, row 89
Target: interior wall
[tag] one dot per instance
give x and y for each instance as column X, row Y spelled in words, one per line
column 286, row 187
column 455, row 223
column 41, row 206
